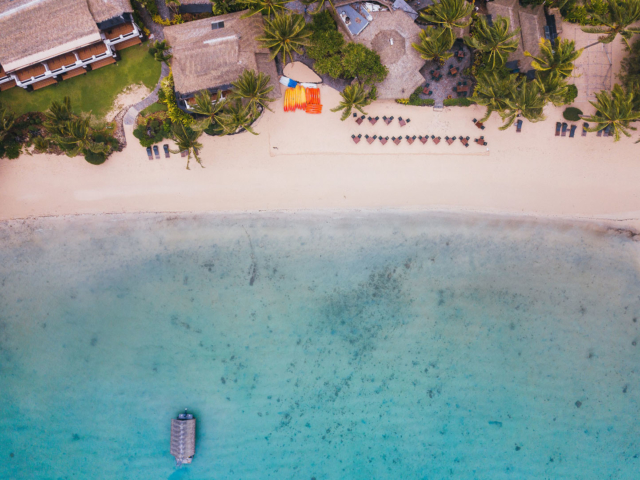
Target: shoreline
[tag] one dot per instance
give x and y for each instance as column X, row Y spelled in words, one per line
column 629, row 227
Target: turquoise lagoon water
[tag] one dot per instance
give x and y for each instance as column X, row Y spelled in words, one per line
column 351, row 346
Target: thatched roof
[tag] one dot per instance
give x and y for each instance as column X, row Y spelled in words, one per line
column 34, row 30
column 206, row 58
column 531, row 22
column 105, row 9
column 402, row 60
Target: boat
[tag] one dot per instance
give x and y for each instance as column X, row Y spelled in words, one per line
column 183, row 438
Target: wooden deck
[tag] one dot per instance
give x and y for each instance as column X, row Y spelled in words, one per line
column 118, row 30
column 61, row 61
column 32, row 71
column 7, row 85
column 91, row 50
column 43, row 83
column 73, row 73
column 103, row 63
column 128, row 43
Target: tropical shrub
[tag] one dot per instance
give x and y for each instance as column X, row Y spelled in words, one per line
column 339, row 59
column 150, row 131
column 167, row 96
column 630, row 72
column 572, row 114
column 572, row 94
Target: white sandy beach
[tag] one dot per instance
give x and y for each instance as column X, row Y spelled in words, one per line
column 301, row 161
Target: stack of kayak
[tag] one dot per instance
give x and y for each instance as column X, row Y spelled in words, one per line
column 301, row 96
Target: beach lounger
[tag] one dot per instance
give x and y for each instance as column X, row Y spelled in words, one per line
column 397, row 140
column 423, row 139
column 373, row 120
column 149, row 153
column 573, row 131
column 184, row 153
column 607, row 131
column 409, row 139
column 156, row 152
column 359, row 120
column 165, row 147
column 558, row 127
column 564, row 129
column 599, row 134
column 370, row 140
column 356, row 138
column 383, row 140
column 585, row 125
column 435, row 139
column 519, row 126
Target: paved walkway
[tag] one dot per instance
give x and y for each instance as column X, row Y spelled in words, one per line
column 132, row 113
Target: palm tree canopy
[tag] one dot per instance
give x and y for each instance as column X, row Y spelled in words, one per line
column 7, row 119
column 450, row 14
column 235, row 116
column 207, row 108
column 254, row 88
column 526, row 100
column 553, row 87
column 496, row 40
column 491, row 91
column 268, row 8
column 186, row 140
column 435, row 43
column 285, row 33
column 614, row 109
column 557, row 57
column 619, row 15
column 353, row 96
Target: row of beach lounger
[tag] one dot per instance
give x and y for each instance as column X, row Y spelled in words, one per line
column 561, row 130
column 423, row 139
column 156, row 151
column 385, row 119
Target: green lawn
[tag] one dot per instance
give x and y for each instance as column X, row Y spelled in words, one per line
column 94, row 91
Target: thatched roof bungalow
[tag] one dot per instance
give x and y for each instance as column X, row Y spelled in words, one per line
column 531, row 22
column 391, row 34
column 211, row 53
column 46, row 41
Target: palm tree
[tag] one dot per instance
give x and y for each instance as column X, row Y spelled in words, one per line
column 492, row 91
column 525, row 100
column 160, row 51
column 255, row 89
column 7, row 119
column 553, row 87
column 235, row 116
column 75, row 136
column 285, row 33
column 186, row 140
column 558, row 57
column 495, row 40
column 620, row 14
column 208, row 109
column 353, row 96
column 435, row 43
column 268, row 8
column 58, row 113
column 450, row 14
column 615, row 110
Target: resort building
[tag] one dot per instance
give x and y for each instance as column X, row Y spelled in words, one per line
column 43, row 42
column 389, row 29
column 211, row 53
column 533, row 26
